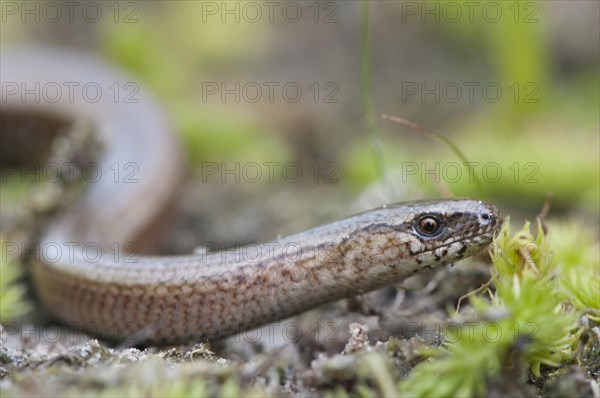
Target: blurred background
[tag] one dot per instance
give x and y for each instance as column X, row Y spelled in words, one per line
column 513, row 85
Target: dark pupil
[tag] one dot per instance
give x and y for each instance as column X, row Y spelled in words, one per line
column 485, row 216
column 428, row 226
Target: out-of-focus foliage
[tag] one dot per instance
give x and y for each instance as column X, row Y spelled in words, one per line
column 576, row 258
column 542, row 134
column 512, row 37
column 173, row 63
column 13, row 303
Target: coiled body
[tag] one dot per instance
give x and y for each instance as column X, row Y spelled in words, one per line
column 210, row 295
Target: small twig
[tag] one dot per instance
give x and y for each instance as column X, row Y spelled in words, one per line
column 474, row 292
column 457, row 152
column 545, row 210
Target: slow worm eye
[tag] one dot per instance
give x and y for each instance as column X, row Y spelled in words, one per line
column 428, row 225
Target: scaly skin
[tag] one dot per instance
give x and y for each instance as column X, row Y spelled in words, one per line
column 175, row 299
column 172, row 299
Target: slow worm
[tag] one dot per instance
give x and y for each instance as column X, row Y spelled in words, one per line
column 207, row 295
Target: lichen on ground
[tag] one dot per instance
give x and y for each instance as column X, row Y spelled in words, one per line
column 533, row 331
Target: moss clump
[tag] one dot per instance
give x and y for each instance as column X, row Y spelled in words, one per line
column 12, row 294
column 577, row 266
column 529, row 320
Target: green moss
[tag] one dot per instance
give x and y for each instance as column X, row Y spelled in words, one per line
column 527, row 321
column 91, row 370
column 13, row 303
column 578, row 266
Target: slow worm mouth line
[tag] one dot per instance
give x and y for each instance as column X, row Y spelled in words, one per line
column 491, row 233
